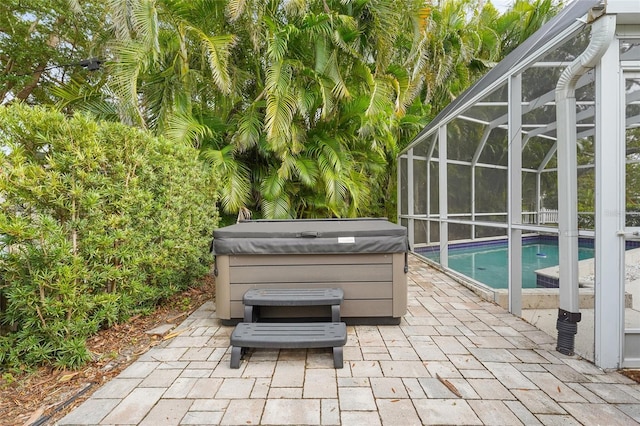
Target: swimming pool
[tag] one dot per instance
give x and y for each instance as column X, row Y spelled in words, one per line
column 488, row 263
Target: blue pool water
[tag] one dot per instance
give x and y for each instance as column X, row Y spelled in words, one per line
column 488, row 264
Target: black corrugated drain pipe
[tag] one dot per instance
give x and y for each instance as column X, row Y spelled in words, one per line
column 567, row 326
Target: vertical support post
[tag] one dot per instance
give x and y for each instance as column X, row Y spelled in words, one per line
column 473, row 201
column 432, row 147
column 399, row 189
column 538, row 200
column 514, row 203
column 444, row 209
column 428, row 222
column 410, row 198
column 610, row 210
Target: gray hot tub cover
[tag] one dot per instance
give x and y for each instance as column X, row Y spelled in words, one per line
column 310, row 236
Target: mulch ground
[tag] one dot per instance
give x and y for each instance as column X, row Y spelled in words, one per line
column 45, row 395
column 632, row 374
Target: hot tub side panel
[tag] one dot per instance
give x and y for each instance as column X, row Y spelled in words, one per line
column 374, row 284
column 399, row 284
column 221, row 276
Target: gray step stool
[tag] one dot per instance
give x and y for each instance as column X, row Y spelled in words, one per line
column 257, row 297
column 289, row 335
column 251, row 334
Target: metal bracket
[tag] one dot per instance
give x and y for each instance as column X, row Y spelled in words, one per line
column 572, row 317
column 632, row 234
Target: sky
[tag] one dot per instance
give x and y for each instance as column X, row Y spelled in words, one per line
column 502, row 5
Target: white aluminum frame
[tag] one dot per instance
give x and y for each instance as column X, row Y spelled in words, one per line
column 608, row 111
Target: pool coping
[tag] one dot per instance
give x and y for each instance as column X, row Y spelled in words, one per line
column 532, row 298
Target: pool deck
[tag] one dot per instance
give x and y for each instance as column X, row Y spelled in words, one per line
column 454, row 359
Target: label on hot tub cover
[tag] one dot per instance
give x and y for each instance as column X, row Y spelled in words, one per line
column 346, row 240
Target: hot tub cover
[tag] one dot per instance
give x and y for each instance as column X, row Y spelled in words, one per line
column 310, row 236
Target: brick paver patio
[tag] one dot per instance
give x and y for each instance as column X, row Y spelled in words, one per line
column 455, row 359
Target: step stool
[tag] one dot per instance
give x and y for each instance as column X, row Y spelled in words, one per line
column 252, row 334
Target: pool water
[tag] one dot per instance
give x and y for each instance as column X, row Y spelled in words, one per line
column 488, row 264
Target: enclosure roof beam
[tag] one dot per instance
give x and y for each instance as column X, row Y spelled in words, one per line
column 548, row 157
column 483, row 142
column 545, row 99
column 631, row 122
column 473, row 120
column 552, row 150
column 432, row 147
column 525, row 104
column 582, row 115
column 566, row 24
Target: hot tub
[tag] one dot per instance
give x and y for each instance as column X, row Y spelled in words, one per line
column 367, row 258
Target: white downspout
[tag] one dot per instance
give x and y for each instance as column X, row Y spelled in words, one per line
column 602, row 33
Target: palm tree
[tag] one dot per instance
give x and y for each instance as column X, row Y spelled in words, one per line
column 301, row 105
column 322, row 120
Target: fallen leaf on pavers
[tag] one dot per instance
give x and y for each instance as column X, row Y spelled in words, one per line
column 559, row 391
column 172, row 319
column 175, row 333
column 67, row 377
column 449, row 386
column 35, row 416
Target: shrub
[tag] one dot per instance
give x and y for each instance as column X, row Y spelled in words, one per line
column 98, row 221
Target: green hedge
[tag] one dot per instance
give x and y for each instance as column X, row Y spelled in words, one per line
column 98, row 221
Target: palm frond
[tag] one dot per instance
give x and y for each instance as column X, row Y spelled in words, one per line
column 345, row 36
column 277, row 47
column 120, row 17
column 287, row 166
column 218, row 50
column 322, row 54
column 359, row 192
column 307, row 171
column 328, row 99
column 298, row 138
column 296, row 7
column 340, row 89
column 272, row 185
column 75, row 6
column 335, row 190
column 278, row 77
column 235, row 9
column 144, row 22
column 380, row 100
column 249, row 129
column 278, row 118
column 235, row 184
column 185, row 128
column 306, row 101
column 131, row 60
column 400, row 82
column 278, row 208
column 317, row 26
column 281, row 105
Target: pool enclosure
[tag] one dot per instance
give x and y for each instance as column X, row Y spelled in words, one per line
column 546, row 144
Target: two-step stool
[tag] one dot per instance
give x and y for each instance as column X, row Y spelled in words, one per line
column 252, row 334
